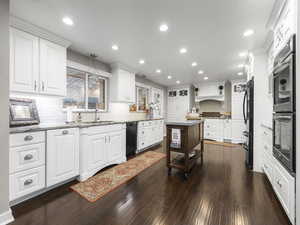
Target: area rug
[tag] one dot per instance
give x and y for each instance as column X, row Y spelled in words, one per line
column 99, row 185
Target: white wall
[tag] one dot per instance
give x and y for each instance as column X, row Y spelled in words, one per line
column 298, row 118
column 5, row 214
column 262, row 104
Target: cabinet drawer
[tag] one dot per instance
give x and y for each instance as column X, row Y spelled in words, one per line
column 27, row 138
column 26, row 182
column 26, row 157
column 268, row 167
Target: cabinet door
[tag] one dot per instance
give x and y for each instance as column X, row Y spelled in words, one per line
column 98, row 148
column 62, row 155
column 52, row 68
column 24, row 62
column 238, row 127
column 116, row 145
column 126, row 86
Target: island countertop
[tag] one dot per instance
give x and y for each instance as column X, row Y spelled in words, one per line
column 186, row 123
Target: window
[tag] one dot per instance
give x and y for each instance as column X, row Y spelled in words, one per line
column 85, row 91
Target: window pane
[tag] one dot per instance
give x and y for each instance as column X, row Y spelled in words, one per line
column 75, row 89
column 96, row 92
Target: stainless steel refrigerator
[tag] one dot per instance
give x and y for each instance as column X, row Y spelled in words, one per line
column 248, row 112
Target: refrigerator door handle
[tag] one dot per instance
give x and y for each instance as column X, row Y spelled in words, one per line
column 244, row 102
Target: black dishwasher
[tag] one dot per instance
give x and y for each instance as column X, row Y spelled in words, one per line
column 131, row 138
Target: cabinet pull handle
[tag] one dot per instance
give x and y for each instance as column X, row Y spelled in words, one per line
column 35, row 85
column 28, row 138
column 278, row 182
column 43, row 86
column 65, row 132
column 28, row 182
column 28, row 157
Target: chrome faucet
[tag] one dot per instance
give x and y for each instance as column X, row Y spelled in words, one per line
column 96, row 115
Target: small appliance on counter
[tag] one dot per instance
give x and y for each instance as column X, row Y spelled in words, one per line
column 23, row 112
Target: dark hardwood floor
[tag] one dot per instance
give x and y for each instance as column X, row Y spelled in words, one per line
column 219, row 192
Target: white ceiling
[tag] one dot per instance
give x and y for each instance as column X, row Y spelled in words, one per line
column 211, row 30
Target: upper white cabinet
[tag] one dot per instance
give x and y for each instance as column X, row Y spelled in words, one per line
column 179, row 103
column 24, row 61
column 237, row 97
column 36, row 65
column 52, row 68
column 62, row 155
column 122, row 86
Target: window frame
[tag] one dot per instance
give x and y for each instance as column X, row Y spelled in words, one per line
column 86, row 109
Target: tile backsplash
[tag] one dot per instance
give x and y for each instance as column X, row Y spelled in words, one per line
column 50, row 110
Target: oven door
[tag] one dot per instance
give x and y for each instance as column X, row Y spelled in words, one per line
column 283, row 140
column 283, row 86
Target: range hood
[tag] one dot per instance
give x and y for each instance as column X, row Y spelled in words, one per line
column 219, row 98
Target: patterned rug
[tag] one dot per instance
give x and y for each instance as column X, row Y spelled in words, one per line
column 99, row 185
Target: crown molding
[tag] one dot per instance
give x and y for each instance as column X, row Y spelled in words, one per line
column 276, row 13
column 37, row 31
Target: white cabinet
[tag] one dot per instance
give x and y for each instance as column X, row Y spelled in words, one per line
column 149, row 133
column 179, row 103
column 122, row 86
column 282, row 182
column 36, row 65
column 62, row 155
column 224, row 130
column 53, row 62
column 101, row 146
column 26, row 164
column 24, row 62
column 237, row 97
column 115, row 142
column 238, row 127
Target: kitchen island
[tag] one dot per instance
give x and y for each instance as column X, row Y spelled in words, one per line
column 183, row 137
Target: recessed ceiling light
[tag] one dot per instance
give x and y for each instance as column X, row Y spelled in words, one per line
column 200, row 72
column 177, row 82
column 240, row 73
column 243, row 54
column 158, row 71
column 115, row 47
column 241, row 66
column 205, row 78
column 169, row 77
column 163, row 27
column 142, row 61
column 194, row 64
column 68, row 21
column 183, row 50
column 248, row 32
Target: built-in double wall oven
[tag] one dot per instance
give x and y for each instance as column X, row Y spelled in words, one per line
column 284, row 117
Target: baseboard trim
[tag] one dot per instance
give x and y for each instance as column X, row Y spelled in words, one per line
column 6, row 217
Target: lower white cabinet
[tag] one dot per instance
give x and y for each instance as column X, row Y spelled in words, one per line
column 62, row 155
column 282, row 182
column 149, row 133
column 224, row 130
column 101, row 146
column 26, row 164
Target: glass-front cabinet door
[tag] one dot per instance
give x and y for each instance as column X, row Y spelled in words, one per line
column 142, row 96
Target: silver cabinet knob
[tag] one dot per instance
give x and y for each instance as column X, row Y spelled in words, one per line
column 28, row 138
column 65, row 132
column 28, row 157
column 28, row 182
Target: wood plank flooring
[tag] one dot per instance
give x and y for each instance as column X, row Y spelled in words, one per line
column 218, row 192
